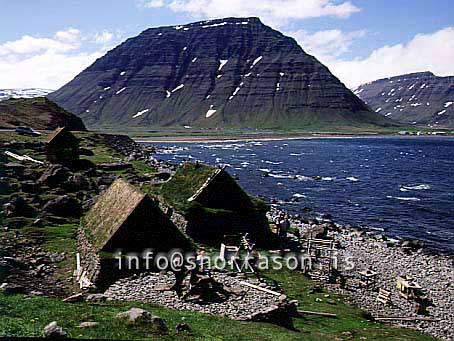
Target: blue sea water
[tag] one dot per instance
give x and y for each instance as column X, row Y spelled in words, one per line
column 404, row 186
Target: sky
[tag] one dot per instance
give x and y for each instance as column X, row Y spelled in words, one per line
column 46, row 43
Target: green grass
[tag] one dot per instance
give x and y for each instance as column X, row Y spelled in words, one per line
column 26, row 317
column 142, row 168
column 60, row 238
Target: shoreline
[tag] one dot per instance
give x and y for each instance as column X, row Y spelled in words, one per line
column 220, row 139
column 389, row 259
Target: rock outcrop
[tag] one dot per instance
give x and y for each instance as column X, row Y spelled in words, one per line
column 418, row 98
column 233, row 72
column 38, row 113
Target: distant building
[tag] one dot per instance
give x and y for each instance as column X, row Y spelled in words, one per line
column 62, row 146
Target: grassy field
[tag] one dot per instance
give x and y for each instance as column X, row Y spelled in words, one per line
column 176, row 133
column 23, row 316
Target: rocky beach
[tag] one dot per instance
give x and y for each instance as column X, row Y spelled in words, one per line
column 390, row 258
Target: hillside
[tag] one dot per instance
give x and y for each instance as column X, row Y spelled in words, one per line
column 233, row 72
column 37, row 113
column 417, row 98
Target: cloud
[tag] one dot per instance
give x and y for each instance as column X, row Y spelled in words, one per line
column 425, row 52
column 71, row 35
column 275, row 12
column 28, row 44
column 143, row 4
column 103, row 37
column 49, row 62
column 329, row 43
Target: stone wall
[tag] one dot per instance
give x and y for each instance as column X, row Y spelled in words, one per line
column 90, row 262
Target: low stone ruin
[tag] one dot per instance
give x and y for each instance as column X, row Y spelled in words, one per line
column 245, row 302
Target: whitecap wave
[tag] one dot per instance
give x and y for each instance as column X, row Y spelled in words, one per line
column 417, row 187
column 303, row 178
column 272, row 163
column 297, row 195
column 352, row 178
column 280, row 176
column 404, row 198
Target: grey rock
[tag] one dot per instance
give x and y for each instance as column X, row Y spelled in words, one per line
column 57, row 257
column 138, row 315
column 63, row 206
column 96, row 298
column 52, row 330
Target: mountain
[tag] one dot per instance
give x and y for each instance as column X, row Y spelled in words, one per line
column 23, row 93
column 233, row 72
column 417, row 98
column 37, row 113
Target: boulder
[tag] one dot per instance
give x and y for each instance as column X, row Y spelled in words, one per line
column 77, row 182
column 413, row 244
column 96, row 298
column 29, row 186
column 63, row 206
column 57, row 257
column 54, row 176
column 52, row 330
column 138, row 315
column 86, row 152
column 135, row 315
column 183, row 327
column 17, row 206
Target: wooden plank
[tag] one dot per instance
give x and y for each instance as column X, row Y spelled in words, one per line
column 261, row 289
column 306, row 312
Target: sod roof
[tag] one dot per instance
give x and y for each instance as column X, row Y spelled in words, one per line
column 186, row 181
column 110, row 212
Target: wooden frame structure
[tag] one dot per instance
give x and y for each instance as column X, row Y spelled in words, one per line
column 408, row 288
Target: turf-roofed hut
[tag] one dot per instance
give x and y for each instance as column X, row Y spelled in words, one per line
column 127, row 220
column 62, row 147
column 215, row 206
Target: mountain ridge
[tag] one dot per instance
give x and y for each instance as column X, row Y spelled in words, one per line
column 419, row 98
column 233, row 72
